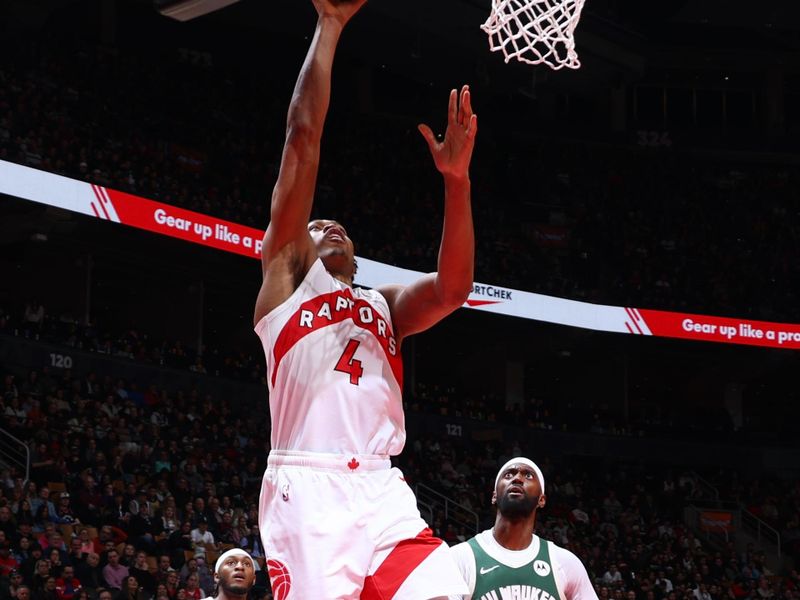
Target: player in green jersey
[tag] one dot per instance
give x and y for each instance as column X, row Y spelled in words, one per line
column 509, row 562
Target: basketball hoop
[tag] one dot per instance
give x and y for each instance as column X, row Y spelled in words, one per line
column 535, row 31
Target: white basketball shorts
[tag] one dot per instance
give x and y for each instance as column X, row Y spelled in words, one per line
column 347, row 527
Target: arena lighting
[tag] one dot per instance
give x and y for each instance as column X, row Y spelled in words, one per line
column 186, row 10
column 119, row 207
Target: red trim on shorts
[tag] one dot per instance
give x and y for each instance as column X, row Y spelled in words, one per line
column 396, row 567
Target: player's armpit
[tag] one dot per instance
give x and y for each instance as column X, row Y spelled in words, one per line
column 418, row 306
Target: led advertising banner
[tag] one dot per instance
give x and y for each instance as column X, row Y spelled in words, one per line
column 112, row 205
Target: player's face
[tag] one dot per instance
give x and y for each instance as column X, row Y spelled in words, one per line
column 236, row 575
column 331, row 239
column 518, row 492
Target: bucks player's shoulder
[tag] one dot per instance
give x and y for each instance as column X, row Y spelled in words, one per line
column 465, row 561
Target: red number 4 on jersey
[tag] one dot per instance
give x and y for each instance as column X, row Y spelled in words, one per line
column 348, row 364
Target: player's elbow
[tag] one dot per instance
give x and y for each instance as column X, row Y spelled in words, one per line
column 301, row 134
column 454, row 297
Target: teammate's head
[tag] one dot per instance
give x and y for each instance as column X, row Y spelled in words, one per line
column 333, row 246
column 519, row 489
column 234, row 573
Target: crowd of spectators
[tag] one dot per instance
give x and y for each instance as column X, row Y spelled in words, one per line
column 126, row 484
column 134, row 495
column 35, row 322
column 617, row 225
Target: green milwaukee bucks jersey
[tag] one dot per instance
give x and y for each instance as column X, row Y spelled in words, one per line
column 496, row 581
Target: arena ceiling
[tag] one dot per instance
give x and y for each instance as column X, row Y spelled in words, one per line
column 617, row 39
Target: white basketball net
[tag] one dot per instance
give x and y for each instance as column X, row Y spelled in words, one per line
column 535, row 31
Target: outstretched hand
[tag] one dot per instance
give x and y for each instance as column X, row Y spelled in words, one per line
column 341, row 10
column 453, row 154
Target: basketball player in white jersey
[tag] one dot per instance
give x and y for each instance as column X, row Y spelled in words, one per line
column 336, row 520
column 508, row 560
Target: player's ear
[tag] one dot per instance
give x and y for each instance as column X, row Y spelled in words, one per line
column 494, row 497
column 542, row 501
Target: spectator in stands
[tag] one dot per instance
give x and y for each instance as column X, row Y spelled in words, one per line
column 24, row 513
column 202, row 538
column 29, row 565
column 141, row 571
column 7, row 561
column 252, row 542
column 43, row 499
column 189, row 568
column 33, row 317
column 240, row 530
column 131, row 590
column 7, row 524
column 41, row 574
column 87, row 545
column 89, row 500
column 14, row 584
column 48, row 589
column 143, row 528
column 56, row 563
column 67, row 585
column 169, row 521
column 22, row 549
column 90, row 573
column 612, row 577
column 226, row 533
column 205, row 577
column 172, row 584
column 118, row 511
column 108, row 533
column 54, row 540
column 64, row 513
column 128, row 555
column 193, row 589
column 114, row 573
column 764, row 589
column 76, row 555
column 163, row 568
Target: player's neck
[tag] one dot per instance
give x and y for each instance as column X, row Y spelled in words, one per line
column 513, row 535
column 339, row 267
column 345, row 279
column 223, row 595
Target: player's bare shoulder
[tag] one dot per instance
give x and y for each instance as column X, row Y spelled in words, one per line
column 390, row 292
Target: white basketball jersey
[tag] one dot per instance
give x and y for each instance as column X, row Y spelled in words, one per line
column 334, row 370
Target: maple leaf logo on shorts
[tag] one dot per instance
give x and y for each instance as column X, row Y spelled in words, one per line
column 353, row 464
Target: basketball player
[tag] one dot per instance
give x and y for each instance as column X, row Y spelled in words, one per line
column 234, row 575
column 509, row 561
column 337, row 521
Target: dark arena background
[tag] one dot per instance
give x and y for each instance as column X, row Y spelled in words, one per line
column 661, row 175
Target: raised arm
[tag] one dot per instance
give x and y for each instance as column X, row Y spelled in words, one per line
column 288, row 252
column 428, row 300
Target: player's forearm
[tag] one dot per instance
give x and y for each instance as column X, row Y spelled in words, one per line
column 457, row 249
column 312, row 93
